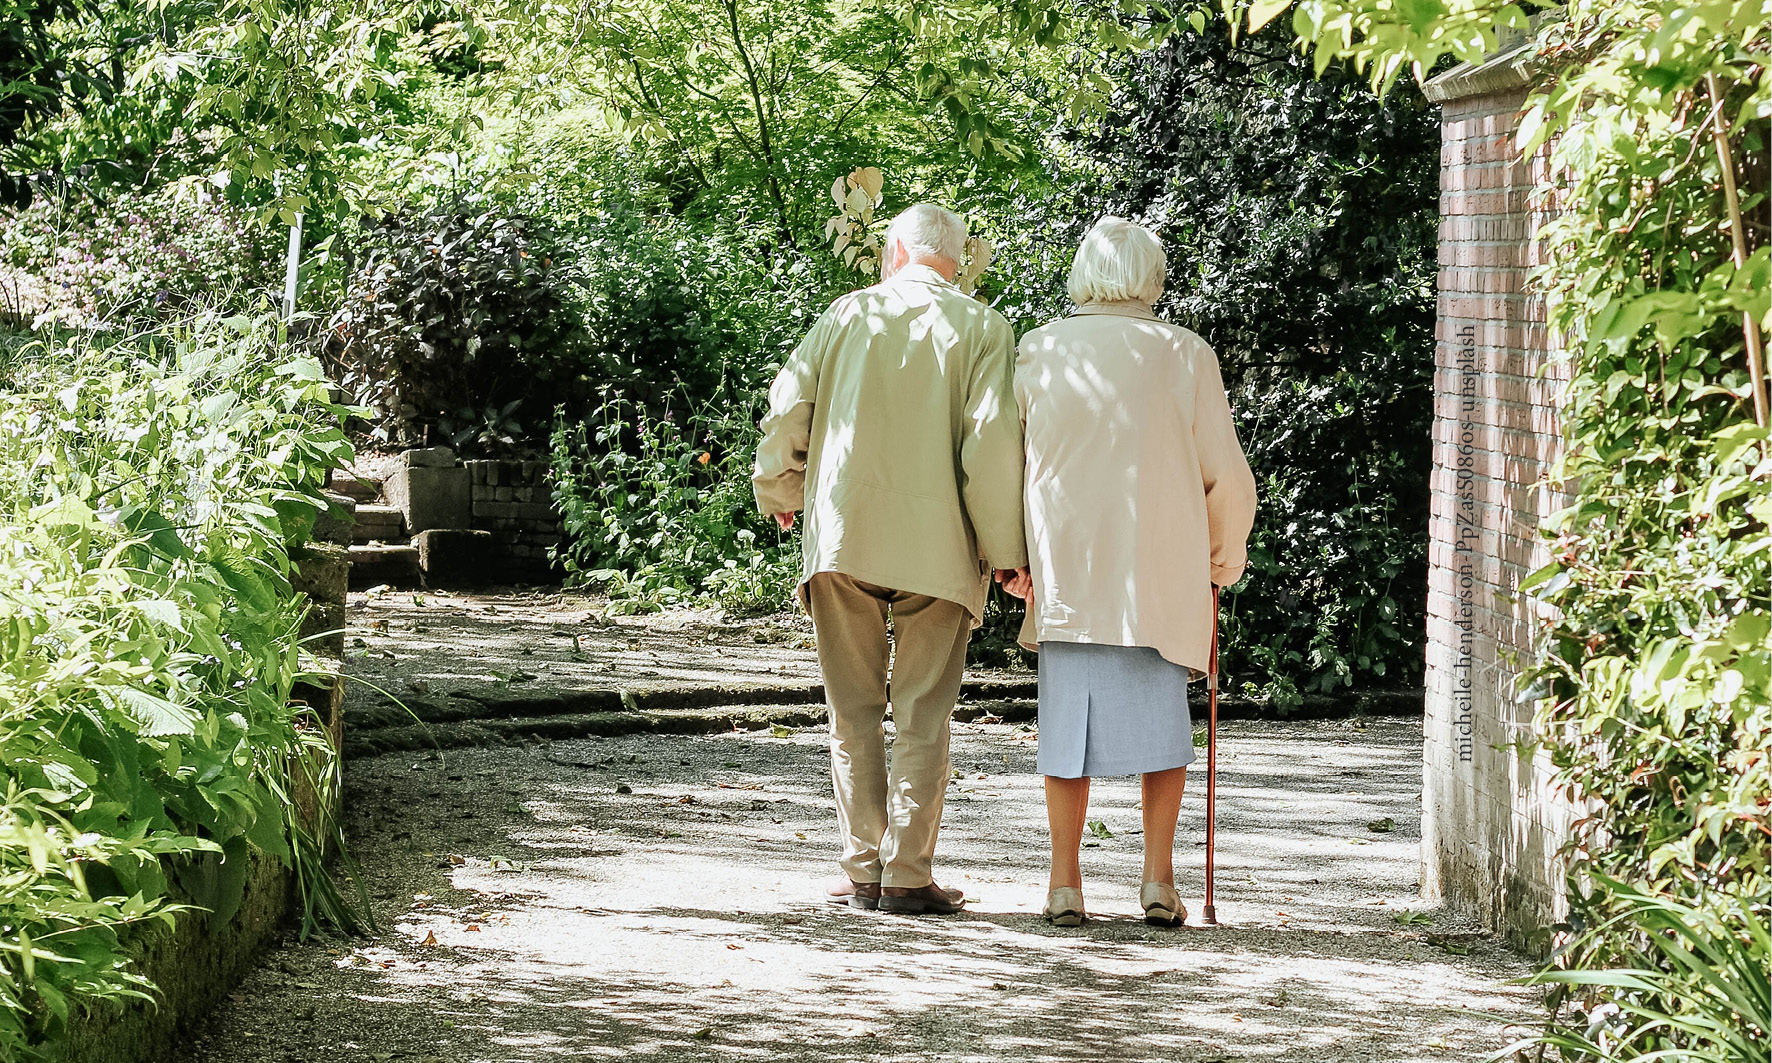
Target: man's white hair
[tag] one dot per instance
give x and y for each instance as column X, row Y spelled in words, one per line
column 1119, row 261
column 928, row 231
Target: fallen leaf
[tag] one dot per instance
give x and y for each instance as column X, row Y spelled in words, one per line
column 703, row 1034
column 1382, row 826
column 779, row 731
column 430, row 940
column 1096, row 827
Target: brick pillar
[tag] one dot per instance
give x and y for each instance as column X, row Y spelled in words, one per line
column 1490, row 823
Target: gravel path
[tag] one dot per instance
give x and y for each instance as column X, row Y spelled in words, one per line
column 655, row 898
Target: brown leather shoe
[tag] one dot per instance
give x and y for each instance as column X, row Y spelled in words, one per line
column 845, row 890
column 925, row 900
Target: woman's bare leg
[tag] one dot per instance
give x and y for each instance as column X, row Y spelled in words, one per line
column 1067, row 805
column 1162, row 807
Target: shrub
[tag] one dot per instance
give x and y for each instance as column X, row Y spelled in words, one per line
column 1654, row 687
column 147, row 649
column 670, row 306
column 141, row 256
column 451, row 313
column 661, row 512
column 1699, row 983
column 1299, row 216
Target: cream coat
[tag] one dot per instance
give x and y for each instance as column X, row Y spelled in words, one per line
column 1139, row 498
column 894, row 427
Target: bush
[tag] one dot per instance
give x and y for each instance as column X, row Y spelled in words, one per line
column 1699, row 982
column 658, row 512
column 141, row 257
column 452, row 322
column 471, row 321
column 1299, row 216
column 671, row 306
column 147, row 649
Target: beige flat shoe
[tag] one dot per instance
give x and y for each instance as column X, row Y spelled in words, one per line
column 1162, row 905
column 1064, row 907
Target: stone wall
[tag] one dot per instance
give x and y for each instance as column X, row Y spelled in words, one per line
column 198, row 959
column 1491, row 825
column 470, row 523
column 513, row 501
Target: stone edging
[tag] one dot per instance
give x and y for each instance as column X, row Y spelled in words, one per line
column 688, row 709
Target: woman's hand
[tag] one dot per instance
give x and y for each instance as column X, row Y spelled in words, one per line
column 1017, row 582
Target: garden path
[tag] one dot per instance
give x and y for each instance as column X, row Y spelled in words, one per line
column 655, row 897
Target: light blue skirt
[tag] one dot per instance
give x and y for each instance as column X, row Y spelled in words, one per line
column 1111, row 710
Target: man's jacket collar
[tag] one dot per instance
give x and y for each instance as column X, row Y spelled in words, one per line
column 917, row 271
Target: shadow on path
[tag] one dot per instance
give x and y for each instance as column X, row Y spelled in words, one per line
column 656, row 898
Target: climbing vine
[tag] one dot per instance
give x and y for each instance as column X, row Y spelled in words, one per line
column 1654, row 683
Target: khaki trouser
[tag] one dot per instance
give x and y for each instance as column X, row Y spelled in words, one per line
column 889, row 816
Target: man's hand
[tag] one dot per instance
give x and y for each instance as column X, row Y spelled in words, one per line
column 1017, row 582
column 785, row 520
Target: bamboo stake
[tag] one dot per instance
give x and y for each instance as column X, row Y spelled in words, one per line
column 1750, row 329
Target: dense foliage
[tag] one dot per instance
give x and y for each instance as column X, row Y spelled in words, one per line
column 453, row 319
column 148, row 648
column 136, row 257
column 659, row 510
column 1655, row 684
column 1300, row 216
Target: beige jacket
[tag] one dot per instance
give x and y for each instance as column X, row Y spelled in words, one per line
column 894, row 427
column 1139, row 498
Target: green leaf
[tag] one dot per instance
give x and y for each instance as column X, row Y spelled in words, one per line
column 160, row 611
column 269, row 833
column 1262, row 12
column 159, row 718
column 159, row 532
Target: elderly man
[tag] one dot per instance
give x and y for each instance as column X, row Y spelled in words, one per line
column 894, row 426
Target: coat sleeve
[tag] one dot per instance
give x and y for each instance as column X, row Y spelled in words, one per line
column 778, row 476
column 991, row 457
column 1230, row 486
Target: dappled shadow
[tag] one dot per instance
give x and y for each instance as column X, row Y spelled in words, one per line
column 681, row 919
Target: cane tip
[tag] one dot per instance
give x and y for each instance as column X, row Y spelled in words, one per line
column 1209, row 915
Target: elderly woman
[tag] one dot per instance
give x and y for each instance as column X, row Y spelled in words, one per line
column 1139, row 501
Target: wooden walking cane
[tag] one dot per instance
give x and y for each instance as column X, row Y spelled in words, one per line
column 1208, row 912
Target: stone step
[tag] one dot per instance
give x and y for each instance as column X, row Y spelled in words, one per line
column 360, row 490
column 394, row 566
column 378, row 524
column 337, row 523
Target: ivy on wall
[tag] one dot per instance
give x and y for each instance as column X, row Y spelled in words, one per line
column 1654, row 687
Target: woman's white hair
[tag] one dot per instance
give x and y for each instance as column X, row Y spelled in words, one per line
column 928, row 231
column 1119, row 261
